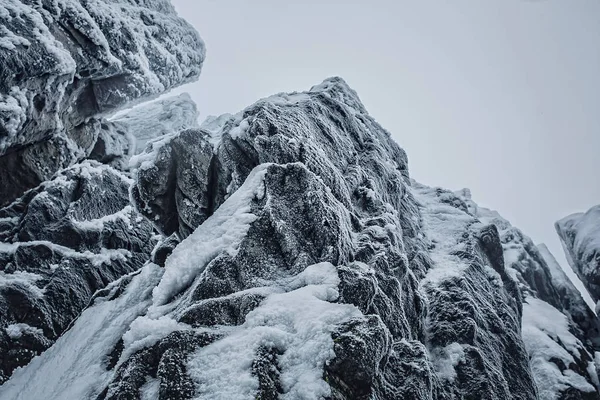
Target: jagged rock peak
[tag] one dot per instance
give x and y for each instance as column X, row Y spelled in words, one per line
column 300, row 261
column 311, row 127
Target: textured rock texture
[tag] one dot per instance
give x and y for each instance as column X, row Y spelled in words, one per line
column 65, row 64
column 296, row 258
column 561, row 333
column 60, row 243
column 580, row 235
column 301, row 261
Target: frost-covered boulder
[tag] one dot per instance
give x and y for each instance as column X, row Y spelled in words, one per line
column 60, row 243
column 580, row 235
column 64, row 64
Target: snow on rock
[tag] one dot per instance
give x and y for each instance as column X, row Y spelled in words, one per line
column 61, row 242
column 158, row 118
column 221, row 233
column 298, row 324
column 469, row 292
column 337, row 190
column 301, row 262
column 184, row 157
column 128, row 133
column 573, row 303
column 580, row 236
column 75, row 367
column 552, row 350
column 556, row 318
column 65, row 64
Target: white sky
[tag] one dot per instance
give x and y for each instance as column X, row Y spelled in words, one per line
column 502, row 97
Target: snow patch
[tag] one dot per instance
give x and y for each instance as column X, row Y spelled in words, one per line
column 298, row 323
column 447, row 359
column 98, row 223
column 150, row 390
column 144, row 332
column 543, row 328
column 15, row 331
column 222, row 232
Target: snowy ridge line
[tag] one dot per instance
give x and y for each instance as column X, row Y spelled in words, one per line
column 443, row 226
column 221, row 232
column 98, row 223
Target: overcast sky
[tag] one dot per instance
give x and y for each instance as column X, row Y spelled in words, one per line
column 502, row 97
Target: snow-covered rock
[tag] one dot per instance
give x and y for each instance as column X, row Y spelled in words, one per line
column 60, row 243
column 65, row 64
column 313, row 270
column 580, row 236
column 560, row 332
column 302, row 262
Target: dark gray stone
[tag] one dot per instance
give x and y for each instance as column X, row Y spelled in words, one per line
column 63, row 241
column 66, row 63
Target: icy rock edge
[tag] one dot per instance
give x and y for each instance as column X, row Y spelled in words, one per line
column 304, row 263
column 580, row 237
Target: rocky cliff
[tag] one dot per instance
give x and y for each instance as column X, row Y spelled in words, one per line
column 280, row 252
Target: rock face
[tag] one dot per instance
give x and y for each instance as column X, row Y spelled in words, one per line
column 65, row 64
column 580, row 235
column 560, row 332
column 60, row 243
column 296, row 258
column 303, row 262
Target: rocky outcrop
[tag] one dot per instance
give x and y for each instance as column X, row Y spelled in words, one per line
column 60, row 243
column 297, row 259
column 305, row 262
column 580, row 236
column 560, row 332
column 66, row 64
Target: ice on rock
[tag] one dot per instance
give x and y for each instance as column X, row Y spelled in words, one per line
column 580, row 236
